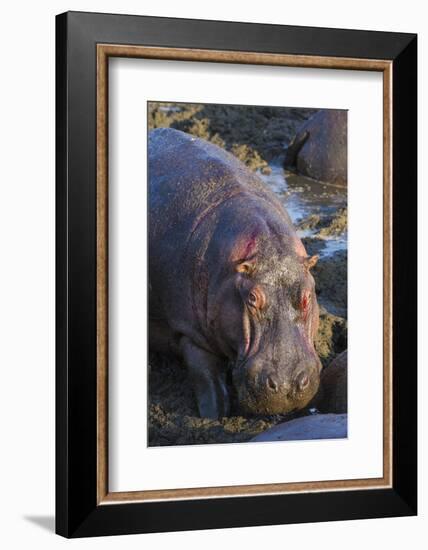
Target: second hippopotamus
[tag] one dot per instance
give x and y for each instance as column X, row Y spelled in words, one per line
column 230, row 288
column 319, row 150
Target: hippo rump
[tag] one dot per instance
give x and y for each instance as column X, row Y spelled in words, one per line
column 319, row 149
column 230, row 289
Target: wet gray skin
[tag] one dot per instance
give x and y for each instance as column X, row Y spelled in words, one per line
column 230, row 280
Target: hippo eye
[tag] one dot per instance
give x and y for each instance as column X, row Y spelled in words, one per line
column 252, row 299
column 256, row 298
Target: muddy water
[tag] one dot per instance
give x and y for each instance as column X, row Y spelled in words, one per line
column 304, row 197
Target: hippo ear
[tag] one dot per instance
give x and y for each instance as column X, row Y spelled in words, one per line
column 246, row 266
column 310, row 261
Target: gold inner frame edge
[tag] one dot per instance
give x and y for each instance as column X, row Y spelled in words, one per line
column 104, row 51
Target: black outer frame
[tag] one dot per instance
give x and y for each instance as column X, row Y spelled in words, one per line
column 77, row 513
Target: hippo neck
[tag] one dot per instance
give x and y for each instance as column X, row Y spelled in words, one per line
column 201, row 275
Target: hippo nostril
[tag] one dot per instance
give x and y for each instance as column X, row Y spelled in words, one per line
column 302, row 381
column 271, row 384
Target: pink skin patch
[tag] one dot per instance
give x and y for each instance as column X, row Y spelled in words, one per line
column 245, row 247
column 251, row 245
column 304, row 304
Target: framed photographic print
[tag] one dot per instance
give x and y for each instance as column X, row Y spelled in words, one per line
column 236, row 274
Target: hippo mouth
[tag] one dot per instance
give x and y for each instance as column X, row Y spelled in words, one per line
column 265, row 404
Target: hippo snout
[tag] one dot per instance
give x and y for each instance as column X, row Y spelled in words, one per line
column 263, row 391
column 299, row 385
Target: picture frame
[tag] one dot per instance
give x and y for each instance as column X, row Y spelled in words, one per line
column 84, row 44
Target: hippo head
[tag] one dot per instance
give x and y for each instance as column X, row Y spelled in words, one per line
column 270, row 321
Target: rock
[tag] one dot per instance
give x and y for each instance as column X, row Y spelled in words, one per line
column 318, row 426
column 332, row 397
column 309, row 223
column 335, row 224
column 325, row 225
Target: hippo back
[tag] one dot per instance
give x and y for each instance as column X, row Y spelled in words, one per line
column 187, row 175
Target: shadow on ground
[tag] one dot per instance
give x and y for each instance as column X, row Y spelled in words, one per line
column 45, row 522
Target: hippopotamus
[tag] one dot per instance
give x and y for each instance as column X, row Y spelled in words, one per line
column 319, row 149
column 230, row 288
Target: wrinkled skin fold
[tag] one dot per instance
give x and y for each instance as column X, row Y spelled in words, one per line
column 230, row 280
